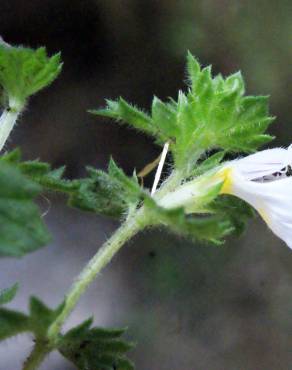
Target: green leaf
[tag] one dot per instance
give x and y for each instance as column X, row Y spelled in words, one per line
column 41, row 317
column 7, row 295
column 96, row 348
column 41, row 173
column 130, row 186
column 208, row 217
column 12, row 157
column 49, row 179
column 208, row 164
column 235, row 210
column 97, row 193
column 24, row 71
column 204, row 228
column 12, row 323
column 235, row 83
column 212, row 114
column 110, row 193
column 193, row 69
column 125, row 112
column 164, row 118
column 37, row 322
column 21, row 227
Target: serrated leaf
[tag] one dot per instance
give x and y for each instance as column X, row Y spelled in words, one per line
column 41, row 173
column 130, row 186
column 7, row 295
column 97, row 193
column 125, row 112
column 21, row 228
column 12, row 323
column 197, row 227
column 235, row 83
column 235, row 210
column 12, row 157
column 164, row 118
column 213, row 114
column 209, row 163
column 37, row 322
column 110, row 193
column 41, row 317
column 24, row 71
column 95, row 348
column 49, row 179
column 193, row 69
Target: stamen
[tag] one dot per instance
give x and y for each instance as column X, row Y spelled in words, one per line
column 283, row 173
column 159, row 168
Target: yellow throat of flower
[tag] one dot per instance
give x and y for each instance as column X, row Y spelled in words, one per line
column 225, row 175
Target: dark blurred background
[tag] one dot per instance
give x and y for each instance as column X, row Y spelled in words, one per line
column 188, row 307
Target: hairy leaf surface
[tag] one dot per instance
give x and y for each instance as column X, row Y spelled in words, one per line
column 25, row 71
column 213, row 113
column 21, row 227
column 92, row 348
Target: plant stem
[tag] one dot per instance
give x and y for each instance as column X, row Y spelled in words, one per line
column 36, row 357
column 7, row 121
column 128, row 229
column 134, row 223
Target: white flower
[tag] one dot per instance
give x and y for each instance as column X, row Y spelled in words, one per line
column 264, row 180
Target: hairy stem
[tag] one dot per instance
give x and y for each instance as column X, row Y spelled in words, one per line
column 36, row 357
column 7, row 121
column 134, row 223
column 94, row 266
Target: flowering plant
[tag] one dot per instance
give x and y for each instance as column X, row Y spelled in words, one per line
column 201, row 196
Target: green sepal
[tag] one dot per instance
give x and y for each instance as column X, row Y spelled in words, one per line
column 197, row 227
column 237, row 211
column 207, row 196
column 95, row 348
column 24, row 71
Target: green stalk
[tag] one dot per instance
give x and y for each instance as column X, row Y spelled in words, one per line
column 135, row 222
column 104, row 255
column 37, row 356
column 8, row 120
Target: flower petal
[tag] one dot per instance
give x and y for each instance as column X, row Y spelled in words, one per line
column 273, row 201
column 263, row 163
